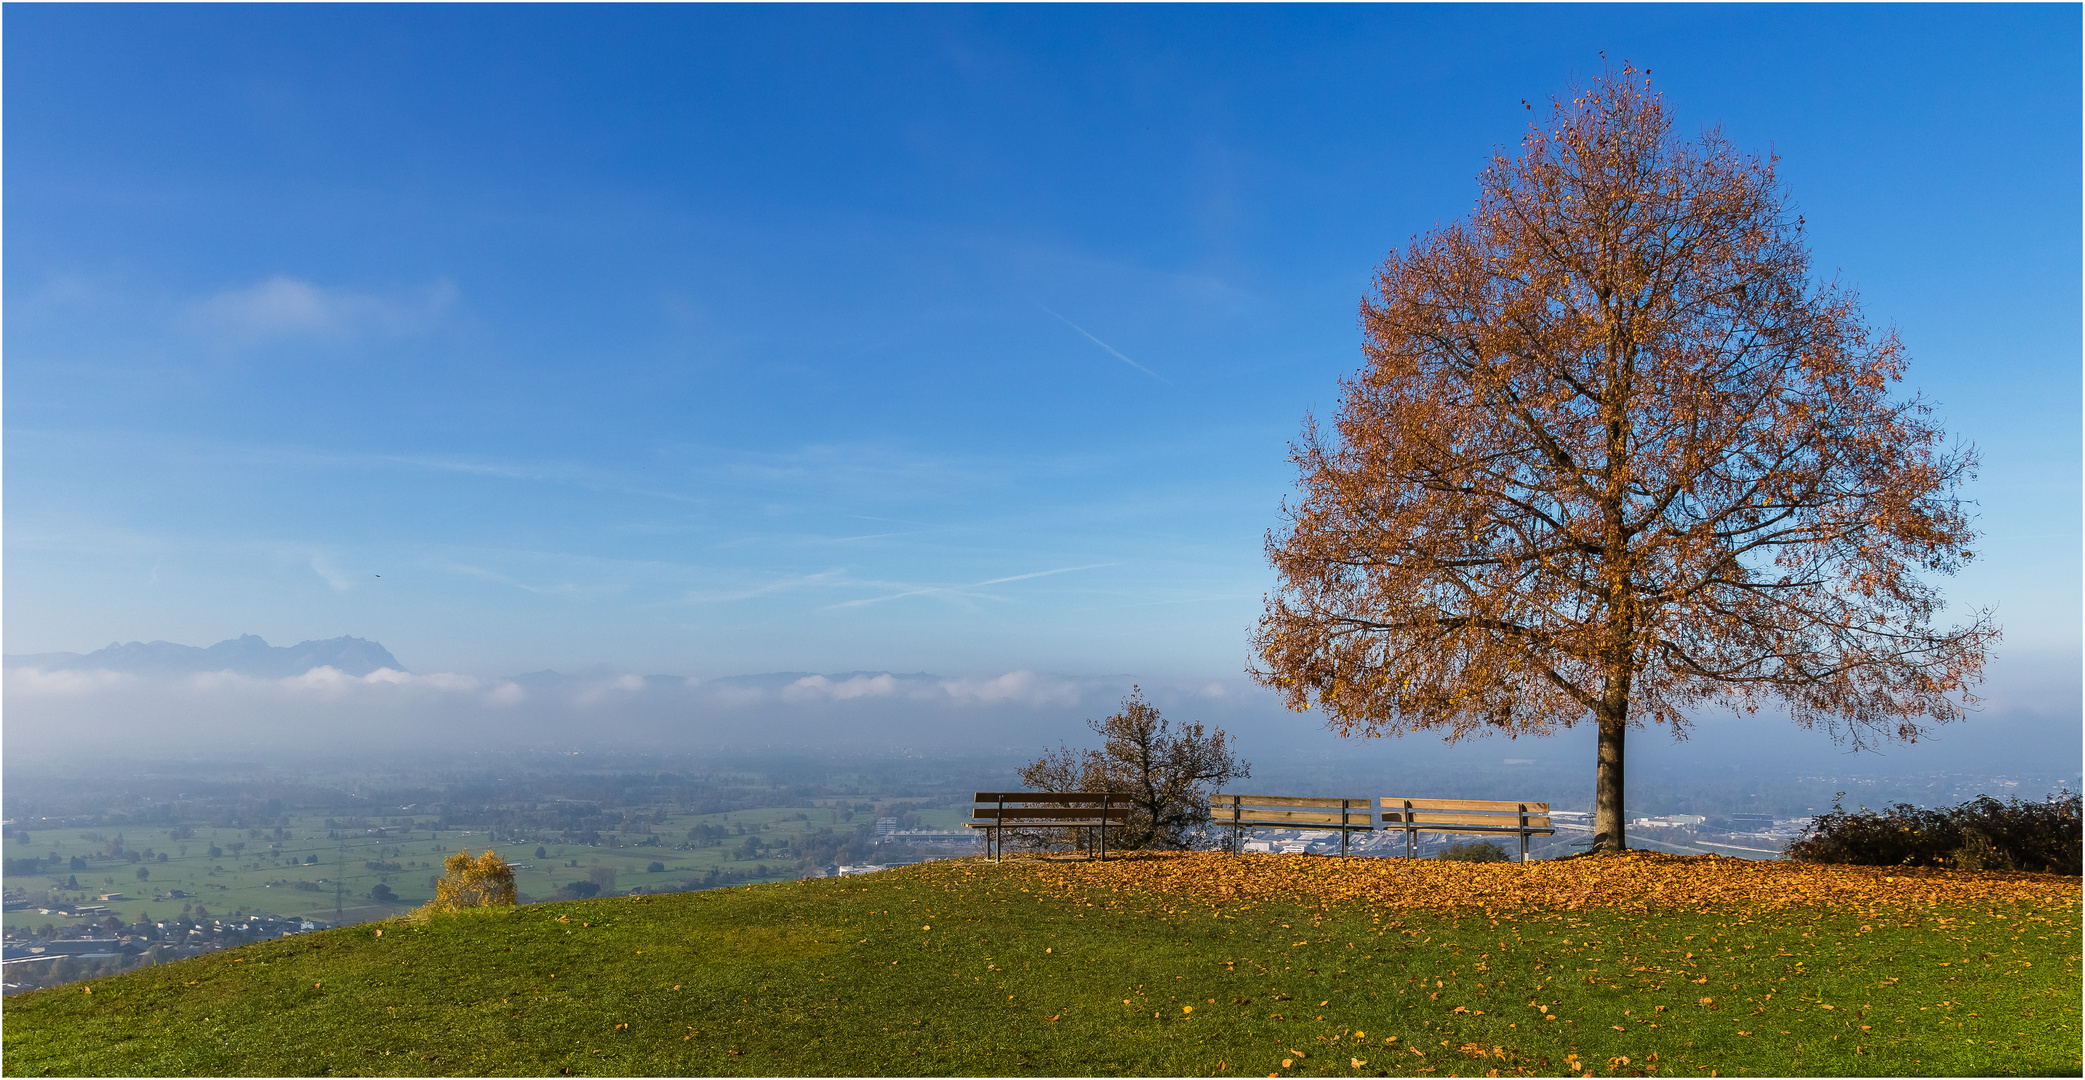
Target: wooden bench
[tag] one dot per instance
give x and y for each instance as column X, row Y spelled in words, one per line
column 1241, row 812
column 1415, row 816
column 1046, row 810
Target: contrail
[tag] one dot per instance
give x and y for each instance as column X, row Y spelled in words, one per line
column 963, row 589
column 1111, row 349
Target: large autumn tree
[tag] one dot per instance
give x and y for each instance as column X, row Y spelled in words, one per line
column 1615, row 456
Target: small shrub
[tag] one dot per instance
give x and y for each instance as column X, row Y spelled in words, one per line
column 1981, row 834
column 1474, row 851
column 485, row 881
column 577, row 890
column 655, row 868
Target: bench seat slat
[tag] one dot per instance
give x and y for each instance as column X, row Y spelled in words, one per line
column 993, row 813
column 1050, row 797
column 1068, row 823
column 1465, row 804
column 1283, row 800
column 1503, row 830
column 1305, row 819
column 1421, row 817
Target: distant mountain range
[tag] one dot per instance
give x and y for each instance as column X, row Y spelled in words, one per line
column 244, row 655
column 250, row 655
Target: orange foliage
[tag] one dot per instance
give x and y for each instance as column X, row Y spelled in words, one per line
column 1616, row 455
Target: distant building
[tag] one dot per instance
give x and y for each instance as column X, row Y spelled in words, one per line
column 886, row 826
column 932, row 837
column 77, row 947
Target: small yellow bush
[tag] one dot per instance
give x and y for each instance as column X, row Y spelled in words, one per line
column 485, row 881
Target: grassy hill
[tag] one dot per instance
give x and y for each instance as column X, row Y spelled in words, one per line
column 1199, row 964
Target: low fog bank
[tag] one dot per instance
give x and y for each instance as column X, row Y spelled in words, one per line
column 2029, row 725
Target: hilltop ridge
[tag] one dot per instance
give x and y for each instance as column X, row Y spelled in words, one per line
column 247, row 654
column 1143, row 966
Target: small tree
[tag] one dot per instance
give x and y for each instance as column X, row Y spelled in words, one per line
column 1162, row 771
column 1474, row 851
column 485, row 881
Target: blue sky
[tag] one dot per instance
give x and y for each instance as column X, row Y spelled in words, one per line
column 709, row 340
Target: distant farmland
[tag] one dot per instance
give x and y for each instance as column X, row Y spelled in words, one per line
column 292, row 868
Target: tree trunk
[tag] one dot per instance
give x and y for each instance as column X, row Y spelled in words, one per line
column 1607, row 786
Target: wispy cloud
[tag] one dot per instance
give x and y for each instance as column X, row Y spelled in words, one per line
column 327, row 570
column 284, row 307
column 564, row 590
column 1112, row 351
column 815, row 687
column 968, row 591
column 1018, row 687
column 779, row 585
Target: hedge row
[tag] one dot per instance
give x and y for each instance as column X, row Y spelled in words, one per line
column 1981, row 834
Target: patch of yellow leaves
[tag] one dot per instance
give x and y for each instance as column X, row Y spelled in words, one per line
column 1632, row 881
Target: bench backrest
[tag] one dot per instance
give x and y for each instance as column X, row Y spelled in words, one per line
column 1076, row 798
column 1292, row 812
column 1113, row 815
column 1048, row 806
column 1465, row 815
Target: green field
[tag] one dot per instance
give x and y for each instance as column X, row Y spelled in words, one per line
column 1026, row 968
column 264, row 871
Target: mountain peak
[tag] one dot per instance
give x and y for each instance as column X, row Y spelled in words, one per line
column 247, row 654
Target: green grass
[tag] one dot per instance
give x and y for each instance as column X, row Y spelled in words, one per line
column 922, row 971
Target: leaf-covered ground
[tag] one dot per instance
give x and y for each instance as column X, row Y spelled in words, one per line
column 1170, row 965
column 1638, row 881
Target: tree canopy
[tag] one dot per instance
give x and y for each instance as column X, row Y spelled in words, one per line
column 1164, row 771
column 1615, row 456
